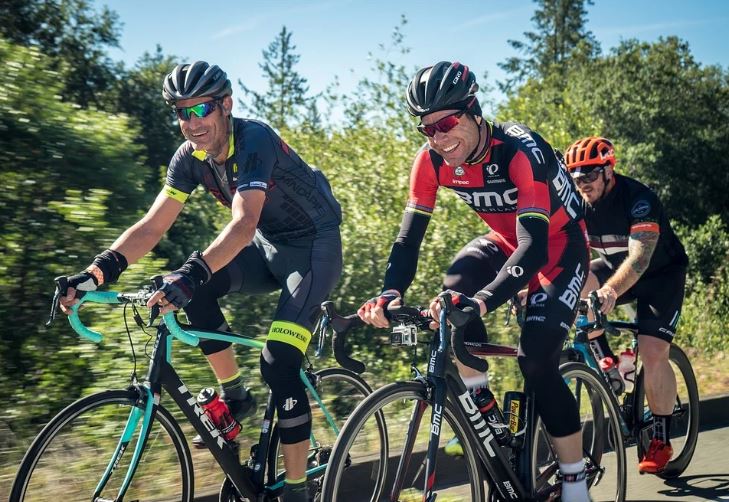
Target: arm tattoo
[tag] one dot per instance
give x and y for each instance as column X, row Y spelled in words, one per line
column 640, row 250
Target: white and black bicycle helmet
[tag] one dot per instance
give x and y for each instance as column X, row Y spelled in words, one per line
column 442, row 86
column 195, row 80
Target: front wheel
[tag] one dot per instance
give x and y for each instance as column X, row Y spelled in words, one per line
column 340, row 391
column 602, row 439
column 685, row 418
column 408, row 412
column 69, row 457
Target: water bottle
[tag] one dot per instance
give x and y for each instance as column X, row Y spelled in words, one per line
column 486, row 404
column 626, row 367
column 608, row 366
column 219, row 413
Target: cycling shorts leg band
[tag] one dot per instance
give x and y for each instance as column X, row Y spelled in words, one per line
column 280, row 368
column 290, row 333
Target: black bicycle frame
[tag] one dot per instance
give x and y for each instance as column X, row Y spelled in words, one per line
column 161, row 374
column 442, row 379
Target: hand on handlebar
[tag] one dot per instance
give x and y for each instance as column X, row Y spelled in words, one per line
column 81, row 282
column 606, row 297
column 373, row 311
column 460, row 301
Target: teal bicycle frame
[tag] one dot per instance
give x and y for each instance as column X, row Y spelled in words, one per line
column 249, row 481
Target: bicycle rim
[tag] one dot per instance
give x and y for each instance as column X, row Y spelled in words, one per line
column 604, row 462
column 348, row 477
column 685, row 418
column 69, row 456
column 340, row 391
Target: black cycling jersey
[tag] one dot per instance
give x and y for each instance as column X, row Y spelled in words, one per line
column 628, row 208
column 299, row 201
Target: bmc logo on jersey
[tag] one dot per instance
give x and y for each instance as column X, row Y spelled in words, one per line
column 527, row 141
column 478, row 200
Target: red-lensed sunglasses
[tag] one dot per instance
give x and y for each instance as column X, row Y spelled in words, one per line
column 443, row 125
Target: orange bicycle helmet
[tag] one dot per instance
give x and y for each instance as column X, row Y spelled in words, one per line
column 590, row 151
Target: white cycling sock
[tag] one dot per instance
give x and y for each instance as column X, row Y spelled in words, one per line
column 574, row 490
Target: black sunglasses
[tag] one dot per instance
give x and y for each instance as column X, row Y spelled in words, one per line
column 589, row 177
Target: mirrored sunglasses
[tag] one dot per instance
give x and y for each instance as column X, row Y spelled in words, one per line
column 443, row 125
column 200, row 110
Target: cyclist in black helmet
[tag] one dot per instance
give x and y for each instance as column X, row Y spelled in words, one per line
column 283, row 235
column 519, row 186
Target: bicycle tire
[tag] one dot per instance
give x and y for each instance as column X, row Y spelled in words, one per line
column 603, row 442
column 57, row 455
column 341, row 391
column 685, row 419
column 342, row 469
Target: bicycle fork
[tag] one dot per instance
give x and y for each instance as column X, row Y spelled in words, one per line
column 142, row 409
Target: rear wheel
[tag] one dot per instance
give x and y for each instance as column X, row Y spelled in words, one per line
column 69, row 457
column 351, row 471
column 602, row 439
column 685, row 418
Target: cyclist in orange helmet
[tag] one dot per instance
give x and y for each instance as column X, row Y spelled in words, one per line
column 640, row 258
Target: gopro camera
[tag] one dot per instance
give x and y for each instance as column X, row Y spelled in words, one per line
column 404, row 334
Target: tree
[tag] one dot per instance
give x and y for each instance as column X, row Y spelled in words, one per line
column 74, row 36
column 285, row 102
column 560, row 29
column 669, row 116
column 70, row 166
column 140, row 96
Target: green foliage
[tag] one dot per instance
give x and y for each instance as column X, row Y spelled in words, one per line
column 285, row 102
column 139, row 92
column 708, row 248
column 69, row 167
column 670, row 118
column 666, row 114
column 74, row 36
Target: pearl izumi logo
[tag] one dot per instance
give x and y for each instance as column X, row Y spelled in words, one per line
column 492, row 169
column 289, row 403
column 515, row 270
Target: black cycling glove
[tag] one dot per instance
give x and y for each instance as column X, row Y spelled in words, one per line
column 179, row 286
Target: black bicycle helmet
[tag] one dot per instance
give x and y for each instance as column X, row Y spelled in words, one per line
column 440, row 87
column 195, row 80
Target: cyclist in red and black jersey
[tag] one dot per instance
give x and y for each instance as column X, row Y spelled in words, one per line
column 519, row 186
column 640, row 258
column 283, row 235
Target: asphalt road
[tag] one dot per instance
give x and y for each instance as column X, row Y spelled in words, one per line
column 706, row 479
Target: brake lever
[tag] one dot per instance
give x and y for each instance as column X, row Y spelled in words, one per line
column 154, row 309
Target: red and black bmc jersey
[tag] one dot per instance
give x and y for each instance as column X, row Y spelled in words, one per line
column 631, row 207
column 521, row 190
column 521, row 175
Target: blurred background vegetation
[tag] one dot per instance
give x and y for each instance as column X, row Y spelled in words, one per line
column 87, row 141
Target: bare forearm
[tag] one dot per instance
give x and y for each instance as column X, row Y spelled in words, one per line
column 136, row 241
column 235, row 236
column 640, row 250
